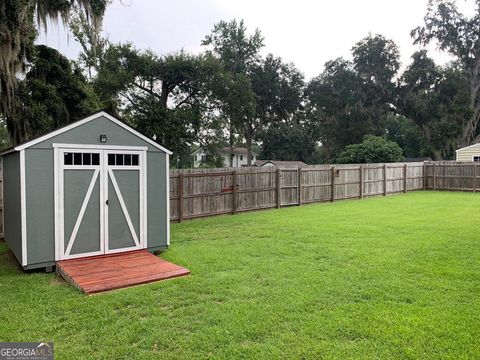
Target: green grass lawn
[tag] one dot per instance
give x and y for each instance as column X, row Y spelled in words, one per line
column 394, row 277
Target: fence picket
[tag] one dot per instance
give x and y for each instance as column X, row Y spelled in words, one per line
column 208, row 192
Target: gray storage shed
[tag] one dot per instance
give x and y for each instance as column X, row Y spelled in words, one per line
column 94, row 187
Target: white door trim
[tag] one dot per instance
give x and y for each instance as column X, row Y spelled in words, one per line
column 140, row 239
column 62, row 252
column 73, row 236
column 167, row 186
column 23, row 208
column 56, row 186
column 143, row 199
column 104, row 172
column 124, row 207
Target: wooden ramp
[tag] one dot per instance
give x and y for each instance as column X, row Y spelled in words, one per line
column 109, row 272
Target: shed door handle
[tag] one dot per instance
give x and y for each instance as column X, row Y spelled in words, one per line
column 106, row 202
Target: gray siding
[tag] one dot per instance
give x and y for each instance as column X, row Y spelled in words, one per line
column 39, row 186
column 12, row 205
column 89, row 133
column 156, row 200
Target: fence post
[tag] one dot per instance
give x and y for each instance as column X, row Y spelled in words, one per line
column 332, row 195
column 279, row 190
column 474, row 177
column 405, row 169
column 299, row 186
column 424, row 174
column 434, row 176
column 361, row 181
column 180, row 197
column 384, row 179
column 234, row 191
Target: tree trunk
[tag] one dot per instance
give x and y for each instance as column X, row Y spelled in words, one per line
column 164, row 95
column 470, row 129
column 476, row 120
column 231, row 142
column 248, row 139
column 437, row 155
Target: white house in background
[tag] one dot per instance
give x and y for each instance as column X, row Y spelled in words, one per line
column 469, row 153
column 239, row 156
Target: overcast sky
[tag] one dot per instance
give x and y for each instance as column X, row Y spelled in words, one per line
column 305, row 32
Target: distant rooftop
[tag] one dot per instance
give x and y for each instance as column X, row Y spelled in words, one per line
column 281, row 163
column 236, row 151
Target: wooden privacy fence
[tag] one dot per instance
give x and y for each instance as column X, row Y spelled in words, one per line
column 198, row 193
column 207, row 192
column 452, row 176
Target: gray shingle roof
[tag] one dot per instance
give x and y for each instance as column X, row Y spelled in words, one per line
column 281, row 163
column 236, row 151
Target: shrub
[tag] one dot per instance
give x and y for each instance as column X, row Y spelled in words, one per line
column 373, row 149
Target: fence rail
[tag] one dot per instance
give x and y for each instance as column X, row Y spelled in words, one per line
column 452, row 176
column 198, row 193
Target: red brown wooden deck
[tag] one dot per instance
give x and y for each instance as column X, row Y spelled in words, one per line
column 109, row 272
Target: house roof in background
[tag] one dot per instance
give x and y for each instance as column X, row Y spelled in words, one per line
column 468, row 147
column 236, row 151
column 281, row 163
column 226, row 150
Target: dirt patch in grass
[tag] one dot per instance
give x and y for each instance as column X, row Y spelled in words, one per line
column 7, row 259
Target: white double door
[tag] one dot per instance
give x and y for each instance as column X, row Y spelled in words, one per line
column 100, row 201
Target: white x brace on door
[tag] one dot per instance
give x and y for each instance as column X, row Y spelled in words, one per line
column 100, row 200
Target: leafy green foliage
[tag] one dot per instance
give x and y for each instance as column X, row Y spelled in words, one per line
column 278, row 87
column 90, row 39
column 53, row 93
column 459, row 36
column 213, row 158
column 437, row 100
column 237, row 50
column 376, row 61
column 233, row 91
column 373, row 149
column 259, row 92
column 5, row 141
column 352, row 99
column 172, row 98
column 407, row 135
column 287, row 141
column 18, row 30
column 334, row 108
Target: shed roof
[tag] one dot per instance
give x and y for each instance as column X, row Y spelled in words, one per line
column 80, row 122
